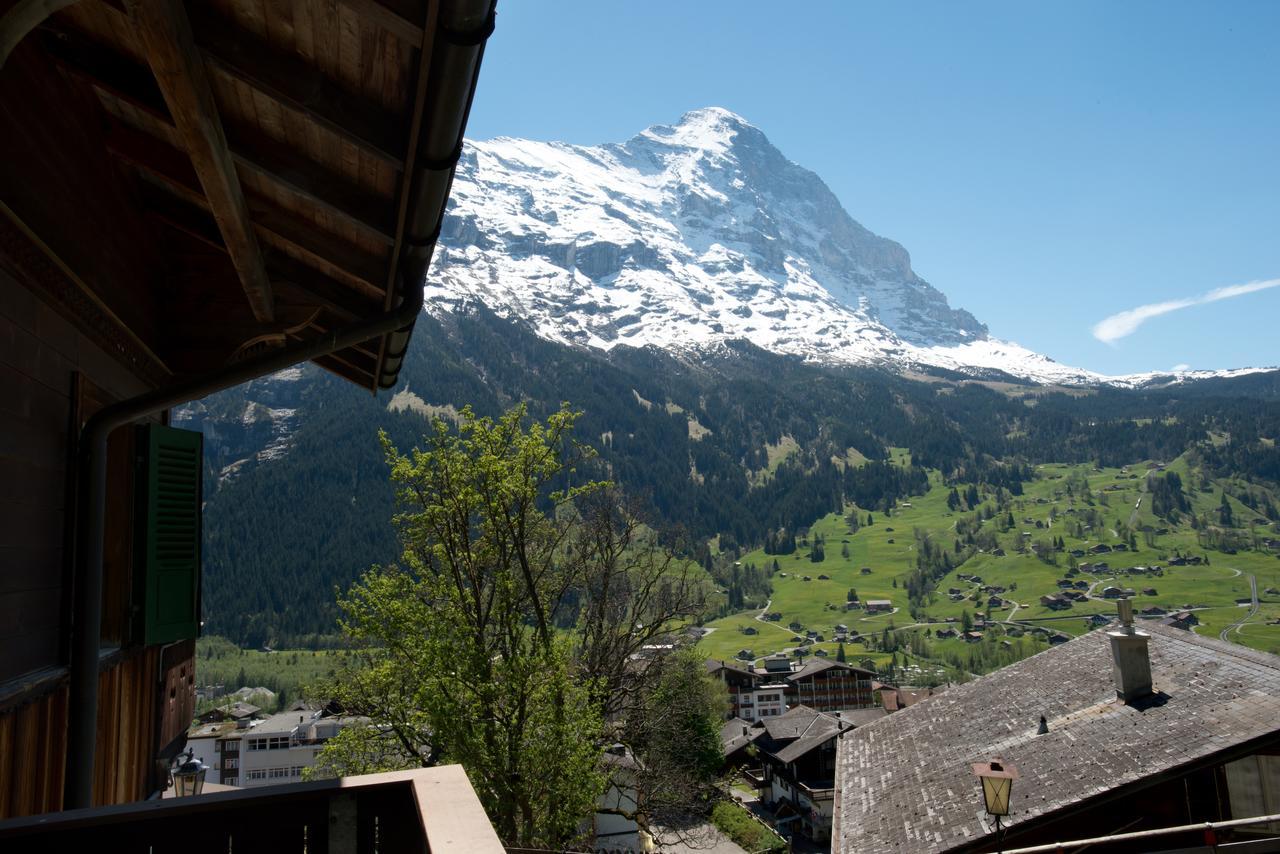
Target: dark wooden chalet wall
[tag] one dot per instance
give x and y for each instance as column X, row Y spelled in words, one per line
column 146, row 700
column 51, row 374
column 39, row 354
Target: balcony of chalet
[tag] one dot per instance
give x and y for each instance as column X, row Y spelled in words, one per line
column 424, row 811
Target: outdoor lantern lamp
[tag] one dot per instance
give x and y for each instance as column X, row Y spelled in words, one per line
column 188, row 777
column 997, row 787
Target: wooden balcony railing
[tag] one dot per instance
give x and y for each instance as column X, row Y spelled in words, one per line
column 428, row 811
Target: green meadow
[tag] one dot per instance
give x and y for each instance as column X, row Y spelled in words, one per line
column 877, row 559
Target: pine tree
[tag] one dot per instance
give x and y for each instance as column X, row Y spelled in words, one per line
column 840, row 653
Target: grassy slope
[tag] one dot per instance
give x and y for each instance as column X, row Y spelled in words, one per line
column 220, row 662
column 817, row 604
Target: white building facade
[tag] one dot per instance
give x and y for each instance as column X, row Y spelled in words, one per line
column 280, row 748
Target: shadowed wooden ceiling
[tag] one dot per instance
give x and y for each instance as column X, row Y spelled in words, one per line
column 226, row 176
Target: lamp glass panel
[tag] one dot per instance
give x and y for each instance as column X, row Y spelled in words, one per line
column 198, row 784
column 996, row 791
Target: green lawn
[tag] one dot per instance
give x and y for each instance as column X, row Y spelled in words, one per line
column 888, row 549
column 286, row 672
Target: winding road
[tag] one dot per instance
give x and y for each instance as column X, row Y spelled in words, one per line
column 1253, row 609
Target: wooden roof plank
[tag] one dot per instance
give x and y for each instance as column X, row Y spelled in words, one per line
column 388, row 19
column 305, row 178
column 279, row 163
column 270, row 222
column 299, row 85
column 180, row 73
column 285, row 271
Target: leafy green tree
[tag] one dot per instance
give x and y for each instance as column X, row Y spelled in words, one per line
column 503, row 640
column 459, row 658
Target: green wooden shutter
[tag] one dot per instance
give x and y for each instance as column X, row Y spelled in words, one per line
column 168, row 542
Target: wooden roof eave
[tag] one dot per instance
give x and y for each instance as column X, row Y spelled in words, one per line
column 249, row 194
column 459, row 35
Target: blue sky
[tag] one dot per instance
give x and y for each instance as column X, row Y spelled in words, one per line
column 1047, row 165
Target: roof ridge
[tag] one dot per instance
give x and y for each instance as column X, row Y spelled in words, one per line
column 1235, row 650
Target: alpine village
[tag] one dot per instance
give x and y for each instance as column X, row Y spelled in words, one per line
column 364, row 489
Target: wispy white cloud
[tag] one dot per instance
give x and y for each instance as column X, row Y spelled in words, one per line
column 1180, row 367
column 1117, row 326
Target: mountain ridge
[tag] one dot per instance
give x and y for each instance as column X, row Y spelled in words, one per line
column 698, row 232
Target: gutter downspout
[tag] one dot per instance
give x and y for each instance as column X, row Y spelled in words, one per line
column 82, row 711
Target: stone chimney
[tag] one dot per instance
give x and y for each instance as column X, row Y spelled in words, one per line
column 1130, row 660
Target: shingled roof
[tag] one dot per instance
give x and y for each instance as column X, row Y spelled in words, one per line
column 905, row 784
column 794, row 733
column 736, row 734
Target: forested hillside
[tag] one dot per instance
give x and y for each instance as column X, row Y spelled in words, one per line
column 736, row 447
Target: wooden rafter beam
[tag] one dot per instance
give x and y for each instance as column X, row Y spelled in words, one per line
column 275, row 227
column 122, row 78
column 299, row 85
column 180, row 73
column 286, row 273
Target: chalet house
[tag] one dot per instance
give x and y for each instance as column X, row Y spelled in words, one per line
column 1143, row 729
column 972, row 637
column 1075, row 595
column 1099, row 549
column 1153, row 611
column 1112, row 593
column 757, row 693
column 1057, row 602
column 240, row 712
column 998, row 552
column 995, row 602
column 1081, row 585
column 945, row 633
column 736, row 735
column 876, row 606
column 1076, row 552
column 893, row 699
column 1181, row 620
column 1064, row 583
column 798, row 751
column 194, row 195
column 1149, row 591
column 829, row 686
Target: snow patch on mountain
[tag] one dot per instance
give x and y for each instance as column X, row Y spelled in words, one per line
column 693, row 234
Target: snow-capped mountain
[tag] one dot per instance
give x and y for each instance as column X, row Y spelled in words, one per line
column 692, row 234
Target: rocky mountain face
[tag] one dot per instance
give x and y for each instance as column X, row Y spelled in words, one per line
column 690, row 235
